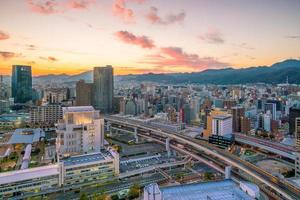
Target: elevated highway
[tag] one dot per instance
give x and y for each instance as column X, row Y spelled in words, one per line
column 285, row 189
column 273, row 147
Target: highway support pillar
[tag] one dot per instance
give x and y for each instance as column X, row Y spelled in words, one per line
column 168, row 146
column 227, row 172
column 135, row 135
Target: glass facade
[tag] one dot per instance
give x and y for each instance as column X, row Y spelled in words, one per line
column 21, row 83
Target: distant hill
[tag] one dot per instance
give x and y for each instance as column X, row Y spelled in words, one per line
column 276, row 73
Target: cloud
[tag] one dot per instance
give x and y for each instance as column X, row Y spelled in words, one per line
column 49, row 58
column 31, row 47
column 243, row 45
column 293, row 36
column 80, row 4
column 130, row 38
column 8, row 55
column 120, row 9
column 3, row 35
column 154, row 18
column 48, row 7
column 44, row 7
column 177, row 58
column 213, row 36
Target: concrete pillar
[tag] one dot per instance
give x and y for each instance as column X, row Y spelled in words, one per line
column 168, row 146
column 110, row 131
column 135, row 135
column 227, row 172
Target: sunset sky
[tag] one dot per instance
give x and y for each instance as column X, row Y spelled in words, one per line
column 141, row 36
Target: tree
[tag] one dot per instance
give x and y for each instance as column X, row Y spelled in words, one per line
column 83, row 196
column 208, row 176
column 134, row 191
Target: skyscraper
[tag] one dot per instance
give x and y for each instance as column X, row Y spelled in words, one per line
column 103, row 89
column 294, row 113
column 237, row 114
column 21, row 83
column 83, row 93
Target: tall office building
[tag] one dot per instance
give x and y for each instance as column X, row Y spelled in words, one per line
column 237, row 114
column 222, row 125
column 294, row 112
column 272, row 108
column 80, row 131
column 21, row 83
column 83, row 93
column 103, row 89
column 297, row 154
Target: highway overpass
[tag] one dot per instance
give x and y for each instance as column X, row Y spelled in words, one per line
column 282, row 187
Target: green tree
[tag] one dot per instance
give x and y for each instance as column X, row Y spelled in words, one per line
column 208, row 176
column 84, row 196
column 134, row 191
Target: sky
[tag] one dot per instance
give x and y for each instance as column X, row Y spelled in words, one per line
column 142, row 36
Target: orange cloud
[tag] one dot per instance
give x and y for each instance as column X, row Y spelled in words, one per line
column 130, row 38
column 8, row 55
column 154, row 18
column 3, row 36
column 49, row 58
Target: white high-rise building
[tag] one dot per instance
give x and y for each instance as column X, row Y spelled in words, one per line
column 222, row 125
column 267, row 121
column 80, row 131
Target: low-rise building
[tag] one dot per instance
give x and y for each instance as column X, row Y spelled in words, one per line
column 69, row 173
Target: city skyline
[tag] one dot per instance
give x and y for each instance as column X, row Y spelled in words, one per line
column 137, row 36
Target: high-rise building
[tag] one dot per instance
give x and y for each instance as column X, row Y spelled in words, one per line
column 297, row 154
column 267, row 121
column 222, row 125
column 84, row 93
column 103, row 89
column 21, row 83
column 245, row 125
column 293, row 114
column 80, row 131
column 237, row 114
column 272, row 108
column 4, row 90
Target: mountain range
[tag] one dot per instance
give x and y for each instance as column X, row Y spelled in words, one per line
column 276, row 73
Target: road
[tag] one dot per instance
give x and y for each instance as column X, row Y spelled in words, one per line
column 284, row 188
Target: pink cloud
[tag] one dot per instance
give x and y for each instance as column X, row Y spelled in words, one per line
column 47, row 7
column 154, row 18
column 120, row 9
column 80, row 4
column 130, row 38
column 213, row 36
column 3, row 36
column 44, row 7
column 176, row 57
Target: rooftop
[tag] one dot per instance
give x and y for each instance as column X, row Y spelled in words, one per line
column 222, row 117
column 221, row 190
column 26, row 136
column 27, row 174
column 78, row 109
column 87, row 158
